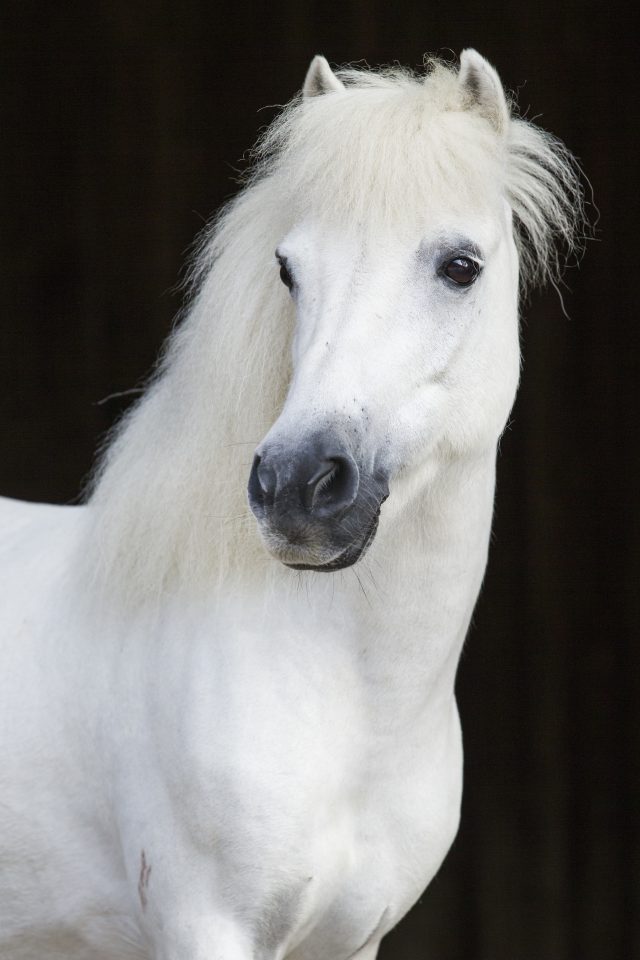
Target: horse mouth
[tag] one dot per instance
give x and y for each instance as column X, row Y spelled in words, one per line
column 349, row 556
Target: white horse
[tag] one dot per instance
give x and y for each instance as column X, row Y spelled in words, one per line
column 206, row 754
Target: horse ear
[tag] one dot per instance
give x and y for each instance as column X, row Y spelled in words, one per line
column 320, row 79
column 483, row 88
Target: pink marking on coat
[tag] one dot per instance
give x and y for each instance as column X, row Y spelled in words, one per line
column 143, row 881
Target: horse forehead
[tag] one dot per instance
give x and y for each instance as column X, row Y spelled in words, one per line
column 327, row 243
column 316, row 241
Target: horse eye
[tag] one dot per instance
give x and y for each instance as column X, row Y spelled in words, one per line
column 462, row 270
column 285, row 276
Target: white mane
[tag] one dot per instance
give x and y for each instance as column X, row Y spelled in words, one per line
column 168, row 503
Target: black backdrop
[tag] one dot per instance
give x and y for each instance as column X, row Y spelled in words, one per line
column 122, row 123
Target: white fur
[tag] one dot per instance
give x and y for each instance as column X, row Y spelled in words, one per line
column 206, row 754
column 382, row 154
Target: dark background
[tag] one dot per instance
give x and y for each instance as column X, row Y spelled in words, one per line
column 122, row 123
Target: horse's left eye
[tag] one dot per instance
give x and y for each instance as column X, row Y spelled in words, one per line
column 462, row 270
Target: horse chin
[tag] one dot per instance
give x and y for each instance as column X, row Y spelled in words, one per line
column 346, row 558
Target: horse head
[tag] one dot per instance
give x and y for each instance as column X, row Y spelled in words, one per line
column 403, row 270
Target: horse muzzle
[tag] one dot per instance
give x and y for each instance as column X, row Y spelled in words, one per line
column 316, row 506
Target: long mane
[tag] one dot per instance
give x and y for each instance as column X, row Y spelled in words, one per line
column 168, row 504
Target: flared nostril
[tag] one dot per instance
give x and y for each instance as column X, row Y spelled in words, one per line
column 267, row 480
column 253, row 487
column 262, row 483
column 320, row 481
column 332, row 487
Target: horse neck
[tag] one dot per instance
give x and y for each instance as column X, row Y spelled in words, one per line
column 435, row 551
column 391, row 628
column 403, row 612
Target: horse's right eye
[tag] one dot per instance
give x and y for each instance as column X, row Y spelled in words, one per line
column 462, row 271
column 285, row 276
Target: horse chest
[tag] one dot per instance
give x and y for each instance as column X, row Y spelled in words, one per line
column 320, row 826
column 365, row 875
column 358, row 872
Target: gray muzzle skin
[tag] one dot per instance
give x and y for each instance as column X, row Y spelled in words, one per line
column 316, row 507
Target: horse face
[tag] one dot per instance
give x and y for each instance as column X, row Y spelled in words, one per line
column 405, row 352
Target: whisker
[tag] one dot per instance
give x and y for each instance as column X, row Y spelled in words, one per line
column 241, row 443
column 364, row 592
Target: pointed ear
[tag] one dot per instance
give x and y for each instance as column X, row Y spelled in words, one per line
column 320, row 79
column 483, row 90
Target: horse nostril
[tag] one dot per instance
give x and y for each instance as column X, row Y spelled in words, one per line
column 266, row 479
column 321, row 480
column 332, row 487
column 262, row 483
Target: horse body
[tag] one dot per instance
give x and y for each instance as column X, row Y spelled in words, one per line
column 298, row 745
column 240, row 760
